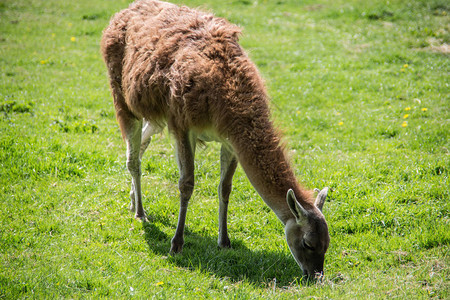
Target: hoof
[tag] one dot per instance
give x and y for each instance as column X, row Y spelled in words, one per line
column 141, row 217
column 175, row 250
column 177, row 246
column 224, row 244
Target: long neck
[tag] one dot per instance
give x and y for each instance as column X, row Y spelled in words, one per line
column 264, row 161
column 243, row 117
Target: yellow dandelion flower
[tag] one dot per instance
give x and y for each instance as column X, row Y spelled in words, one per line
column 73, row 39
column 405, row 66
column 404, row 124
column 43, row 62
column 424, row 109
column 341, row 123
column 402, row 70
column 407, row 108
column 298, row 112
column 69, row 24
column 405, row 116
column 160, row 283
column 53, row 35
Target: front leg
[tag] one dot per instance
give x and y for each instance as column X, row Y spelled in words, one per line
column 228, row 164
column 185, row 149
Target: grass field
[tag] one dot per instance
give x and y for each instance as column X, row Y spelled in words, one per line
column 360, row 90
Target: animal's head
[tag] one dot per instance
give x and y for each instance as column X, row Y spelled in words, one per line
column 307, row 234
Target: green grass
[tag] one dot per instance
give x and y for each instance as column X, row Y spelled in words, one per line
column 360, row 90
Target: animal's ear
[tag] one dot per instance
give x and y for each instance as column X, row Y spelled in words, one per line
column 297, row 209
column 321, row 197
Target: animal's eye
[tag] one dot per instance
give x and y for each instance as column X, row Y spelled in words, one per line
column 307, row 246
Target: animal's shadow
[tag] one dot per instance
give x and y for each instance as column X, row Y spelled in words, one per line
column 201, row 252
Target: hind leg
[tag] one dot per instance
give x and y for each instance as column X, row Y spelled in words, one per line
column 131, row 128
column 112, row 45
column 148, row 131
column 133, row 139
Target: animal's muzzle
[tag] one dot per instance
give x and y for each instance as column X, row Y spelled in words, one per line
column 316, row 275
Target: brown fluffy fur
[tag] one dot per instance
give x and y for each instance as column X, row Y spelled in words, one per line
column 184, row 67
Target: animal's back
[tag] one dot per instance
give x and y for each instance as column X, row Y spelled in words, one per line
column 178, row 65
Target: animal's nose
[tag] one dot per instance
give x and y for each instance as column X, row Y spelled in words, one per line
column 316, row 275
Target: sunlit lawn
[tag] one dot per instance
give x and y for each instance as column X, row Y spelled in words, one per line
column 360, row 91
